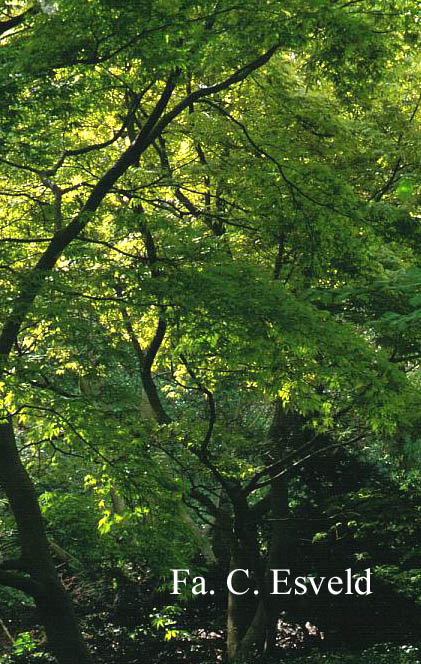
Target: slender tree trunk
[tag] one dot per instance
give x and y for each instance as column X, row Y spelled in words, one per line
column 284, row 432
column 280, row 553
column 245, row 623
column 222, row 533
column 52, row 601
column 255, row 636
column 240, row 607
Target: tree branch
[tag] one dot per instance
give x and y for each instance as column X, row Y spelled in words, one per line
column 211, row 404
column 16, row 20
column 21, row 583
column 32, row 282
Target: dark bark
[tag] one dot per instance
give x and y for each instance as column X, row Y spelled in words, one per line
column 222, row 533
column 52, row 601
column 256, row 631
column 145, row 361
column 280, row 554
column 15, row 21
column 282, row 438
column 146, row 374
column 243, row 610
column 240, row 607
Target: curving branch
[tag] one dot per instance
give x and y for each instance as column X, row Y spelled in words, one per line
column 212, row 408
column 158, row 120
column 32, row 282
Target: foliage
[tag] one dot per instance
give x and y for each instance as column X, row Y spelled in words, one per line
column 379, row 654
column 210, row 270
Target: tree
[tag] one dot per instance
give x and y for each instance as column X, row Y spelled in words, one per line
column 124, row 143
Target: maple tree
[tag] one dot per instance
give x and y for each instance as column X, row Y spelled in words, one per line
column 197, row 200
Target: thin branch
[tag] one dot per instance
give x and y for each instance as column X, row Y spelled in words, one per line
column 211, row 404
column 21, row 240
column 204, row 500
column 294, row 188
column 206, row 91
column 83, row 238
column 254, row 482
column 72, row 428
column 100, row 146
column 398, row 164
column 306, row 458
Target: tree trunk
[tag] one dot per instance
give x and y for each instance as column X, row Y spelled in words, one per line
column 52, row 601
column 280, row 554
column 241, row 608
column 284, row 435
column 222, row 533
column 244, row 620
column 257, row 630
